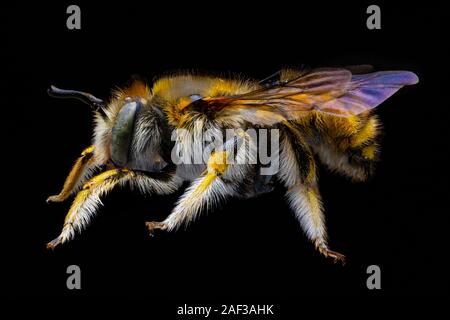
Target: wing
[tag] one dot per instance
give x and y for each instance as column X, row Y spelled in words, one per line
column 332, row 91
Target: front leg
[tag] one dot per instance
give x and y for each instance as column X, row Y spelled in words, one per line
column 83, row 169
column 88, row 199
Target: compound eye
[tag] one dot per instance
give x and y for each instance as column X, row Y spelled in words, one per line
column 122, row 132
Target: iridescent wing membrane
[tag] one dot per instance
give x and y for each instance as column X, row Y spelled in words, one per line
column 332, row 91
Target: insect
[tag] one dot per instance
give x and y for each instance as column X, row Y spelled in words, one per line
column 322, row 115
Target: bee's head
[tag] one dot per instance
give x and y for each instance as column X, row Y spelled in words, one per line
column 130, row 130
column 123, row 129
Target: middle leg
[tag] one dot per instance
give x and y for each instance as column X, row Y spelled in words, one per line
column 205, row 192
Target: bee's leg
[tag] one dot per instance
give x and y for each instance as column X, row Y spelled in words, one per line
column 204, row 192
column 298, row 172
column 83, row 168
column 88, row 199
column 306, row 204
column 86, row 203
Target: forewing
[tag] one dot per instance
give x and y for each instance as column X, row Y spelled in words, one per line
column 332, row 91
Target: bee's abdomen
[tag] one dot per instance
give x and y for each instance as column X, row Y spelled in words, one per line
column 348, row 145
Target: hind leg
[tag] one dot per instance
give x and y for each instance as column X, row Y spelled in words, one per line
column 306, row 203
column 298, row 173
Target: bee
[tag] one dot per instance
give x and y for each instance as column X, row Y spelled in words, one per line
column 321, row 115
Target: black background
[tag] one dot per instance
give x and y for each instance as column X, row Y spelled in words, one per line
column 246, row 251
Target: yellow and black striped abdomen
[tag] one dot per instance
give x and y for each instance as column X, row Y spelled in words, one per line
column 347, row 145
